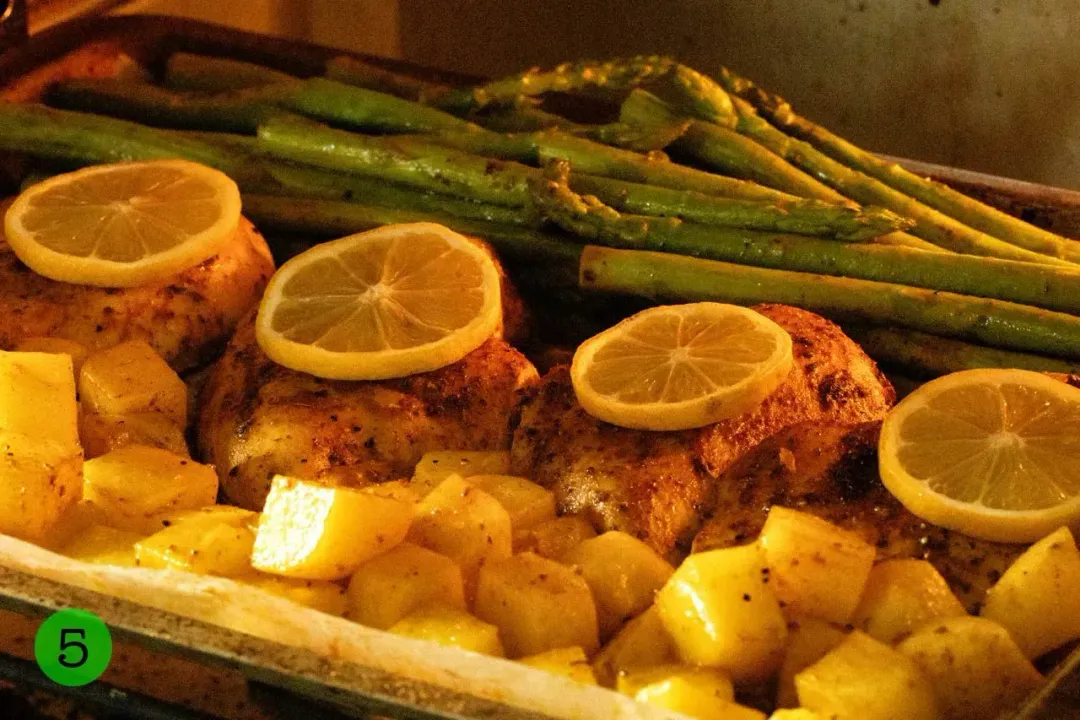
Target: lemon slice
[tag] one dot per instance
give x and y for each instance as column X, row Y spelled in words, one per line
column 386, row 303
column 124, row 224
column 681, row 366
column 991, row 453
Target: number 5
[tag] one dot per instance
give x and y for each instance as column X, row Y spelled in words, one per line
column 65, row 644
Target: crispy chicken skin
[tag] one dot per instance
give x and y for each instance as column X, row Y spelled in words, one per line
column 831, row 470
column 187, row 319
column 657, row 485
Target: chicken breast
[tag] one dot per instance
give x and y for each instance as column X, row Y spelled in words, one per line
column 831, row 470
column 657, row 485
column 187, row 320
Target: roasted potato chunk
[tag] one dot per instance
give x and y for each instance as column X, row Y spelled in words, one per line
column 554, row 538
column 203, row 543
column 900, row 596
column 569, row 662
column 132, row 378
column 394, row 584
column 816, row 568
column 1036, row 598
column 537, row 604
column 864, row 679
column 809, row 640
column 103, row 545
column 623, row 574
column 101, row 434
column 314, row 532
column 525, row 502
column 321, row 595
column 720, row 610
column 450, row 626
column 974, row 666
column 705, row 693
column 643, row 642
column 434, row 467
column 133, row 485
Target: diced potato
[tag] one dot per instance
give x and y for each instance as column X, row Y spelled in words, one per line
column 713, row 683
column 35, row 488
column 465, row 524
column 228, row 514
column 321, row 595
column 314, row 532
column 101, row 434
column 396, row 489
column 720, row 610
column 526, row 502
column 816, row 568
column 537, row 604
column 643, row 642
column 203, row 543
column 37, row 398
column 1036, row 598
column 901, row 595
column 394, row 584
column 623, row 574
column 53, row 345
column 569, row 662
column 554, row 538
column 103, row 545
column 434, row 467
column 809, row 640
column 864, row 679
column 449, row 626
column 132, row 378
column 132, row 485
column 974, row 666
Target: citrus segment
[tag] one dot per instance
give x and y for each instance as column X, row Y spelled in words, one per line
column 991, row 453
column 391, row 302
column 681, row 366
column 124, row 224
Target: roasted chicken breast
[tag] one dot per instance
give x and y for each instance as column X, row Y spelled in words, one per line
column 658, row 485
column 831, row 470
column 187, row 319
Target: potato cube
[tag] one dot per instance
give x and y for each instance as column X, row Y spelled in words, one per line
column 449, row 626
column 569, row 662
column 394, row 584
column 721, row 610
column 434, row 467
column 526, row 502
column 900, row 595
column 537, row 604
column 816, row 568
column 132, row 485
column 553, row 538
column 321, row 595
column 974, row 666
column 101, row 434
column 465, row 524
column 132, row 378
column 37, row 484
column 396, row 489
column 229, row 514
column 314, row 532
column 643, row 642
column 864, row 679
column 623, row 574
column 809, row 640
column 1035, row 599
column 37, row 399
column 56, row 346
column 713, row 682
column 103, row 545
column 203, row 543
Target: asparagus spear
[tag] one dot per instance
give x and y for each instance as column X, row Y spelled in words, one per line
column 366, row 74
column 670, row 277
column 937, row 195
column 191, row 72
column 931, row 356
column 1027, row 283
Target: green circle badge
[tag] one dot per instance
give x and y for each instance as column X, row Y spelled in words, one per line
column 73, row 647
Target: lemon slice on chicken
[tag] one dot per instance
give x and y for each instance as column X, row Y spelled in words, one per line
column 387, row 303
column 676, row 367
column 991, row 453
column 124, row 224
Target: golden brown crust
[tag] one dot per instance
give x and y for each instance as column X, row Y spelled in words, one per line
column 187, row 320
column 258, row 418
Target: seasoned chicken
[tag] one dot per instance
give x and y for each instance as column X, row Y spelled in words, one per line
column 831, row 470
column 656, row 485
column 258, row 418
column 187, row 319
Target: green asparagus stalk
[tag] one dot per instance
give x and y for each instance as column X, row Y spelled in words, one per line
column 367, row 74
column 201, row 73
column 932, row 356
column 1023, row 283
column 955, row 204
column 667, row 277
